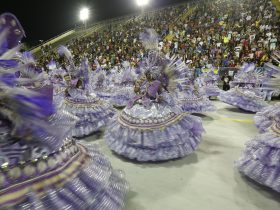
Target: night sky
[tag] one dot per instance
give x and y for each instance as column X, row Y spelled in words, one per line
column 44, row 19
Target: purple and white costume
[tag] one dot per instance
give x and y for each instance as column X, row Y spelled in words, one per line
column 270, row 71
column 93, row 112
column 260, row 160
column 124, row 86
column 100, row 84
column 152, row 127
column 245, row 91
column 56, row 76
column 265, row 118
column 40, row 166
column 209, row 82
column 193, row 99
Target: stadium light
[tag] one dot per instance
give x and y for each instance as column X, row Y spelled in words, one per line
column 142, row 3
column 84, row 14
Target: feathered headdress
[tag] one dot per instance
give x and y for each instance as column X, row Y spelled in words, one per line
column 64, row 51
column 83, row 74
column 11, row 33
column 274, row 81
column 171, row 72
column 271, row 68
column 149, row 39
column 27, row 115
column 248, row 74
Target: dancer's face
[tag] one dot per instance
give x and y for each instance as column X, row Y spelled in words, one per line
column 149, row 76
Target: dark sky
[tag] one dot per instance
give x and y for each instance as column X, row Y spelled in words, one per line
column 44, row 19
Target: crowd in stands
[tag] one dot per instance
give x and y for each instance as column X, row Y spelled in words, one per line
column 222, row 33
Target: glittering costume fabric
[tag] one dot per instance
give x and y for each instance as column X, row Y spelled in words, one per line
column 154, row 134
column 153, row 127
column 56, row 76
column 209, row 83
column 270, row 71
column 193, row 99
column 101, row 84
column 248, row 100
column 41, row 166
column 92, row 111
column 260, row 160
column 123, row 86
column 265, row 118
column 245, row 92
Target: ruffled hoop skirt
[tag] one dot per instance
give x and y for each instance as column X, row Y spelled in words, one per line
column 265, row 118
column 192, row 103
column 58, row 96
column 154, row 134
column 77, row 176
column 261, row 159
column 93, row 113
column 243, row 99
column 121, row 96
column 212, row 91
column 104, row 93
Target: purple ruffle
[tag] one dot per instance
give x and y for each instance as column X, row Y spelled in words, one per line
column 97, row 186
column 197, row 106
column 58, row 98
column 212, row 91
column 122, row 96
column 104, row 92
column 174, row 141
column 264, row 118
column 91, row 119
column 261, row 160
column 234, row 98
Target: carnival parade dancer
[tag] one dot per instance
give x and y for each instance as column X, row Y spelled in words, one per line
column 40, row 166
column 124, row 85
column 260, row 160
column 56, row 77
column 266, row 117
column 271, row 69
column 245, row 92
column 93, row 112
column 152, row 127
column 209, row 82
column 100, row 83
column 192, row 98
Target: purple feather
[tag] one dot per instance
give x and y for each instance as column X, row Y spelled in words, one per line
column 8, row 63
column 8, row 79
column 154, row 88
column 10, row 25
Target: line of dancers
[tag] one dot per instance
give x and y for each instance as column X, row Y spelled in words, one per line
column 145, row 114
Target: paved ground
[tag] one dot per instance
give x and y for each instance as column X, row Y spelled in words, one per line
column 206, row 180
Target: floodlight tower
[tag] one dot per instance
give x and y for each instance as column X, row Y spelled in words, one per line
column 142, row 4
column 84, row 16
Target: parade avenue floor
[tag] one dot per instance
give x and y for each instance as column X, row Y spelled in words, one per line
column 205, row 180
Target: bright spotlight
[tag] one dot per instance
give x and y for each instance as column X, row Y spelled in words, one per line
column 142, row 3
column 84, row 14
